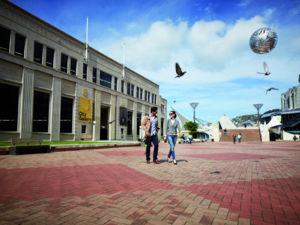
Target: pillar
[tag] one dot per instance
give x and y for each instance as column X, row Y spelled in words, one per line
column 26, row 107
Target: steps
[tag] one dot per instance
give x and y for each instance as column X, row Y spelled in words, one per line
column 248, row 135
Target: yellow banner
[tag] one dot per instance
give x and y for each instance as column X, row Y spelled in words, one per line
column 85, row 110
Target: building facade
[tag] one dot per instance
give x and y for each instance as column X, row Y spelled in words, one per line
column 51, row 90
column 291, row 99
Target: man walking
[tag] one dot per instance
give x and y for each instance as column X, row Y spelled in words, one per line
column 150, row 126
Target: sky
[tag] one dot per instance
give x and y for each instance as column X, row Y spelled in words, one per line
column 208, row 38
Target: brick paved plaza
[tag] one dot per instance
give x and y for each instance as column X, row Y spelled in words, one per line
column 257, row 184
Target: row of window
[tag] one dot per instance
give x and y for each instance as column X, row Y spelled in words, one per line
column 40, row 123
column 38, row 56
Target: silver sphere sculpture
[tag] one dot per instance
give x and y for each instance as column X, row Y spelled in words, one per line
column 263, row 40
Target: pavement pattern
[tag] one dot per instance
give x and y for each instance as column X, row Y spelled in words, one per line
column 213, row 183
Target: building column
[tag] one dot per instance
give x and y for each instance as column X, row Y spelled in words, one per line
column 76, row 126
column 97, row 113
column 12, row 42
column 26, row 107
column 55, row 110
column 112, row 118
column 134, row 122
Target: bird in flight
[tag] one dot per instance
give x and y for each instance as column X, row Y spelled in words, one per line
column 266, row 69
column 270, row 89
column 179, row 71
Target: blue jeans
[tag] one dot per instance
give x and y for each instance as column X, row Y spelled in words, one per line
column 172, row 141
column 148, row 141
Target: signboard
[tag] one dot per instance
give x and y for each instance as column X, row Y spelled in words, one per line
column 123, row 116
column 85, row 110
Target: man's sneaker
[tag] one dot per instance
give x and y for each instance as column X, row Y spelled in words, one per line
column 156, row 161
column 148, row 162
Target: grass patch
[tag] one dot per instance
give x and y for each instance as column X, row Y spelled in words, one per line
column 64, row 143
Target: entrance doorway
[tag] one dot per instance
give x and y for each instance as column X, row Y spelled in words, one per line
column 104, row 124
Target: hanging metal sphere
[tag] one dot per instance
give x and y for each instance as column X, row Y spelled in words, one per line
column 263, row 40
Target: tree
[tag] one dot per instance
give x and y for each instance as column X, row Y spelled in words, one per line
column 192, row 127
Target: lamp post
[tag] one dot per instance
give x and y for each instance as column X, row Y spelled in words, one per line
column 194, row 105
column 258, row 106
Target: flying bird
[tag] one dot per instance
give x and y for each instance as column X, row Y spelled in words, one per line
column 266, row 69
column 179, row 71
column 270, row 89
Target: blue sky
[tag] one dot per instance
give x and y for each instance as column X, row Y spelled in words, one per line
column 209, row 39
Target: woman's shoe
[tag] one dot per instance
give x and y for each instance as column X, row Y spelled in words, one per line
column 169, row 160
column 174, row 162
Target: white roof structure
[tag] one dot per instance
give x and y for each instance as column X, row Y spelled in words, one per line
column 225, row 122
column 274, row 122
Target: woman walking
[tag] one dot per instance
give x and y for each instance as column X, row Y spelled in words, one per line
column 172, row 127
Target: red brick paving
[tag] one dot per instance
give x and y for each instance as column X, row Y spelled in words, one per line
column 30, row 184
column 257, row 184
column 231, row 156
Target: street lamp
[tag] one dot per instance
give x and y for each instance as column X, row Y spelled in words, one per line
column 194, row 105
column 258, row 106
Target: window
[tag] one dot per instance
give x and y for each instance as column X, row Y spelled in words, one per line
column 64, row 63
column 19, row 45
column 162, row 108
column 49, row 57
column 66, row 115
column 145, row 97
column 132, row 90
column 94, row 75
column 141, row 93
column 83, row 129
column 137, row 92
column 38, row 52
column 40, row 112
column 4, row 39
column 84, row 71
column 129, row 123
column 73, row 66
column 9, row 113
column 122, row 86
column 152, row 99
column 148, row 97
column 116, row 83
column 105, row 79
column 138, row 123
column 128, row 88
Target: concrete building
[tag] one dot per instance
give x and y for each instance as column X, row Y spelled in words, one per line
column 291, row 99
column 50, row 90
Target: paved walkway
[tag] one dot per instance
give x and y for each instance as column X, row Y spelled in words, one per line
column 213, row 183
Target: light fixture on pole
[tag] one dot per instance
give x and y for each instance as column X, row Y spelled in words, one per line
column 194, row 105
column 258, row 106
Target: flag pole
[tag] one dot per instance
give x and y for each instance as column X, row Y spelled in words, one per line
column 123, row 70
column 86, row 40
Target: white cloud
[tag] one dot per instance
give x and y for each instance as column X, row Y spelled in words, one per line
column 244, row 3
column 213, row 52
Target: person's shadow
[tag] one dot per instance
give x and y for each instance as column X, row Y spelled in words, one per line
column 178, row 161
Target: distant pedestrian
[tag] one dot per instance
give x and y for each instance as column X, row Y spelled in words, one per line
column 239, row 137
column 150, row 126
column 234, row 138
column 295, row 138
column 225, row 131
column 173, row 127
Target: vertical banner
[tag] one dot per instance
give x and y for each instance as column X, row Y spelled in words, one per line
column 85, row 110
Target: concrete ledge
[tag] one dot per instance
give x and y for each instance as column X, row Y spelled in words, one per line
column 29, row 149
column 5, row 150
